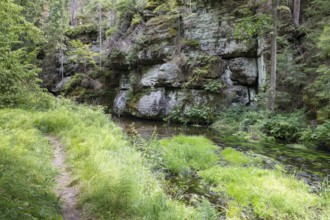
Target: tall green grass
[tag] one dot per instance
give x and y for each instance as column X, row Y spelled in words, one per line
column 250, row 191
column 115, row 180
column 26, row 173
column 182, row 153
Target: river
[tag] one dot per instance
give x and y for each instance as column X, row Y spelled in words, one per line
column 308, row 164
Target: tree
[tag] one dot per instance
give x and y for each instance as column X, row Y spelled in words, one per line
column 32, row 10
column 73, row 11
column 100, row 31
column 272, row 90
column 296, row 12
column 55, row 32
column 18, row 75
column 81, row 54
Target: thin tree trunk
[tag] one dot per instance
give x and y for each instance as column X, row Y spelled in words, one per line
column 272, row 91
column 62, row 61
column 100, row 32
column 296, row 12
column 113, row 13
column 73, row 9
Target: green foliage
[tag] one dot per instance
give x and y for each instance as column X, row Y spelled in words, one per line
column 80, row 30
column 183, row 153
column 191, row 43
column 285, row 127
column 324, row 41
column 110, row 31
column 317, row 94
column 319, row 136
column 193, row 115
column 261, row 193
column 251, row 26
column 322, row 135
column 199, row 115
column 207, row 211
column 81, row 54
column 32, row 10
column 26, row 172
column 17, row 70
column 214, row 86
column 56, row 26
column 136, row 19
column 115, row 181
column 235, row 157
column 291, row 77
column 241, row 120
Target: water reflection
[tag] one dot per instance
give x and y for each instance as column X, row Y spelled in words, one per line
column 310, row 164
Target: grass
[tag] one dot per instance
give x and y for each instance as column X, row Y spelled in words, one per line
column 250, row 191
column 266, row 194
column 183, row 153
column 26, row 174
column 116, row 182
column 235, row 157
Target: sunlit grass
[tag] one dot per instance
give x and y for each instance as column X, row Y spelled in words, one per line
column 116, row 181
column 26, row 174
column 183, row 153
column 235, row 157
column 250, row 191
column 267, row 194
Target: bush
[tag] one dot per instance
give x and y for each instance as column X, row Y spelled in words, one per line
column 285, row 127
column 322, row 135
column 81, row 29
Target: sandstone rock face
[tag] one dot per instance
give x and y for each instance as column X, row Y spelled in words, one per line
column 244, row 70
column 215, row 34
column 119, row 106
column 184, row 63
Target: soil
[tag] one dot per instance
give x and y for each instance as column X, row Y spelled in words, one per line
column 68, row 194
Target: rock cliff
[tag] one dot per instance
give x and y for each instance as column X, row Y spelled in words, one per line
column 183, row 62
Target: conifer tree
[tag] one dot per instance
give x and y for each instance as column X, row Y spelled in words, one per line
column 55, row 32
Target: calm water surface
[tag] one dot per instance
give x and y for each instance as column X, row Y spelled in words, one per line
column 312, row 165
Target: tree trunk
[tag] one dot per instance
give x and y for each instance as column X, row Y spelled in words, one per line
column 62, row 62
column 100, row 32
column 73, row 10
column 272, row 90
column 296, row 12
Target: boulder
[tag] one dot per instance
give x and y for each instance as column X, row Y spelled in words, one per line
column 119, row 105
column 168, row 74
column 237, row 95
column 149, row 105
column 244, row 70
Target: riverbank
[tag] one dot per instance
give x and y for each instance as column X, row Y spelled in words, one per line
column 118, row 179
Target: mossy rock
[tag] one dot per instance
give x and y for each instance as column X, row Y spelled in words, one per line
column 79, row 30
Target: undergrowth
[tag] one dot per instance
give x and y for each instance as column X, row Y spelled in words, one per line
column 26, row 173
column 115, row 181
column 246, row 189
column 257, row 124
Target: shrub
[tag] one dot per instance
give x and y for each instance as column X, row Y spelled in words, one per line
column 285, row 127
column 81, row 29
column 322, row 134
column 110, row 31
